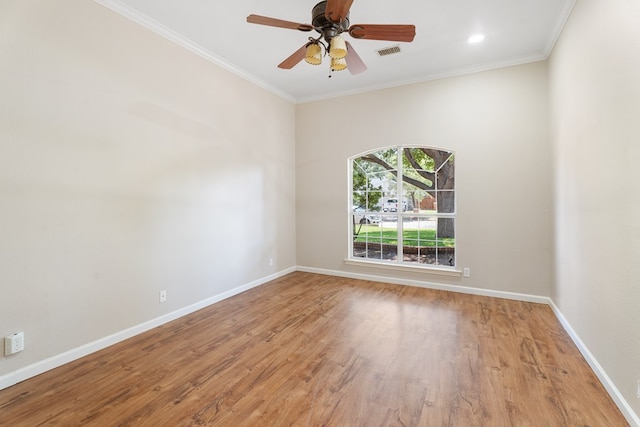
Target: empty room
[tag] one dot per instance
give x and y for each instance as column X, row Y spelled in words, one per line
column 334, row 213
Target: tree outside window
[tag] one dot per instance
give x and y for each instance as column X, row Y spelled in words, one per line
column 403, row 206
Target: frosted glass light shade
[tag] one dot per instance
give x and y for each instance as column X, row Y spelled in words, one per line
column 338, row 48
column 314, row 54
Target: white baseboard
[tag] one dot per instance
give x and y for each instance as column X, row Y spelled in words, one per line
column 45, row 365
column 38, row 368
column 430, row 285
column 620, row 401
column 613, row 391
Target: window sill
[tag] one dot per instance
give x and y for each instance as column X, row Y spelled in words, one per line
column 442, row 271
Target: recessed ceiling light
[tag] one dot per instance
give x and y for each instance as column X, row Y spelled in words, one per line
column 476, row 38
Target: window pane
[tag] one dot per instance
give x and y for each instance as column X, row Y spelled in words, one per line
column 446, row 174
column 358, row 198
column 424, row 203
column 446, row 232
column 419, row 239
column 368, row 179
column 445, row 183
column 446, row 201
column 418, row 176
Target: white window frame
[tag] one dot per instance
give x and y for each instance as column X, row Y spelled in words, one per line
column 399, row 263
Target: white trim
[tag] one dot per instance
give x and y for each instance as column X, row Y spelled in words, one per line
column 401, row 214
column 608, row 384
column 441, row 271
column 53, row 362
column 38, row 368
column 613, row 391
column 429, row 77
column 123, row 9
column 400, row 202
column 430, row 285
column 130, row 13
column 555, row 34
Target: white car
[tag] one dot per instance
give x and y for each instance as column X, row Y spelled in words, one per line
column 391, row 205
column 360, row 216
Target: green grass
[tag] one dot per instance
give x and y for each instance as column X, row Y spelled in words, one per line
column 375, row 234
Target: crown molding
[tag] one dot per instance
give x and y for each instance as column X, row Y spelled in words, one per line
column 430, row 77
column 567, row 8
column 152, row 25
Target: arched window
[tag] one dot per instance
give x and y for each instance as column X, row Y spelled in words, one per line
column 403, row 206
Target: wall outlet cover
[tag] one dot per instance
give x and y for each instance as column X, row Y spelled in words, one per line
column 13, row 343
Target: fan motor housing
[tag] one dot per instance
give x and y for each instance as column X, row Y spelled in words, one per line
column 324, row 26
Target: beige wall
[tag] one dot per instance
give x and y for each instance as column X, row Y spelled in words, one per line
column 497, row 124
column 128, row 165
column 595, row 94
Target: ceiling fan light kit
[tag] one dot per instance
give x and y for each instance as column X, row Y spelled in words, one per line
column 338, row 48
column 330, row 19
column 314, row 54
column 338, row 64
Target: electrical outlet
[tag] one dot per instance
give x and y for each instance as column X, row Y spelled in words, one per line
column 163, row 296
column 270, row 262
column 13, row 343
column 638, row 390
column 466, row 272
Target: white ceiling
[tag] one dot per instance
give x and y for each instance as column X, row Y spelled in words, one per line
column 516, row 32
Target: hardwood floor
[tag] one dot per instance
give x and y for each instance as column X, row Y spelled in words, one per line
column 313, row 350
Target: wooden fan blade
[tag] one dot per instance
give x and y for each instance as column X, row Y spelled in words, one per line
column 273, row 22
column 396, row 33
column 337, row 10
column 355, row 65
column 293, row 60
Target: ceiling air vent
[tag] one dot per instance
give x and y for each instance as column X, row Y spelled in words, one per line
column 388, row 50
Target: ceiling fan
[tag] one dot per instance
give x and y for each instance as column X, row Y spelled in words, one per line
column 330, row 19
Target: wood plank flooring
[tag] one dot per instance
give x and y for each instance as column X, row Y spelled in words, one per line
column 314, row 350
